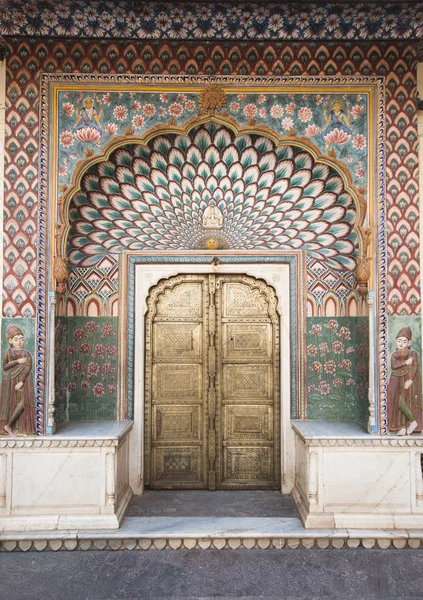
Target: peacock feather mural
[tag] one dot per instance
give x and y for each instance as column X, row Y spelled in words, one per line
column 156, row 196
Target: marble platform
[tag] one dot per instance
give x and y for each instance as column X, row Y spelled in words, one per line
column 173, row 533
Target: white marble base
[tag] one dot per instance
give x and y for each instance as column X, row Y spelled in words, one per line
column 76, row 479
column 347, row 478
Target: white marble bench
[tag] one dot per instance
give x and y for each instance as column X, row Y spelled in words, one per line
column 347, row 478
column 77, row 478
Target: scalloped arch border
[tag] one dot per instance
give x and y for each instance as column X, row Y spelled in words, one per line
column 84, row 165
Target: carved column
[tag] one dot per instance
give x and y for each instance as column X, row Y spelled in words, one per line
column 371, row 426
column 212, row 383
column 313, row 486
column 51, row 374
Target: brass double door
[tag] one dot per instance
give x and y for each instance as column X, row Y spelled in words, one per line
column 212, row 406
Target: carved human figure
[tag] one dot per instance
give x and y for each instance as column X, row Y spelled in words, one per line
column 212, row 217
column 17, row 401
column 404, row 389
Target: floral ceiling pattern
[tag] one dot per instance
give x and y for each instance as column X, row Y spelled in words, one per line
column 158, row 197
column 200, row 21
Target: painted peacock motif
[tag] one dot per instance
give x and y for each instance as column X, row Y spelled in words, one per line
column 155, row 196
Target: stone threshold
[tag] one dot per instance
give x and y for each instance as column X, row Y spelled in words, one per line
column 199, row 533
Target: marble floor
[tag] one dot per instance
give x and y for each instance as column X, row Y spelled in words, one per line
column 220, row 503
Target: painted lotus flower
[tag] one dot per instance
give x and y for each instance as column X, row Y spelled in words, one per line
column 357, row 111
column 359, row 142
column 312, row 130
column 111, row 128
column 68, row 108
column 155, row 196
column 88, row 135
column 337, row 136
column 66, row 139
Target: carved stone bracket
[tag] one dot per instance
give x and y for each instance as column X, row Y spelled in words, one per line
column 364, row 263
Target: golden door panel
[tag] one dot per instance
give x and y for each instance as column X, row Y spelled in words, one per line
column 212, row 384
column 175, row 340
column 176, row 423
column 247, row 341
column 177, row 467
column 245, row 383
column 181, row 384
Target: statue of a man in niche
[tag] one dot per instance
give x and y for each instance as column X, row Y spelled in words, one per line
column 404, row 390
column 212, row 217
column 17, row 401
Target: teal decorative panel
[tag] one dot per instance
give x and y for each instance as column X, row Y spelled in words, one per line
column 337, row 368
column 92, row 368
column 61, row 370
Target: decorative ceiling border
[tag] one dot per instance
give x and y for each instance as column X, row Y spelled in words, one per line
column 198, row 21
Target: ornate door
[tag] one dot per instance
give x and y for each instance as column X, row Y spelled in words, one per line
column 212, row 407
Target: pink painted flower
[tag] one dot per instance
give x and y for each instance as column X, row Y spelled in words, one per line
column 77, row 366
column 305, row 114
column 276, row 111
column 85, row 349
column 311, row 388
column 68, row 108
column 189, row 105
column 99, row 350
column 241, row 97
column 250, row 110
column 107, row 368
column 107, row 99
column 138, row 122
column 337, row 346
column 344, row 333
column 357, row 111
column 350, row 382
column 120, row 113
column 316, row 329
column 234, row 106
column 261, row 99
column 330, row 366
column 111, row 388
column 337, row 136
column 107, row 330
column 176, row 109
column 319, row 99
column 324, row 348
column 337, row 382
column 164, row 97
column 63, row 171
column 182, row 97
column 111, row 351
column 350, row 350
column 312, row 130
column 111, row 128
column 92, row 369
column 136, row 106
column 345, row 364
column 74, row 156
column 311, row 350
column 72, row 387
column 162, row 111
column 332, row 325
column 88, row 135
column 71, row 350
column 98, row 390
column 66, row 139
column 78, row 334
column 287, row 123
column 149, row 110
column 262, row 113
column 324, row 388
column 316, row 367
column 90, row 326
column 85, row 385
column 360, row 173
column 359, row 142
column 290, row 109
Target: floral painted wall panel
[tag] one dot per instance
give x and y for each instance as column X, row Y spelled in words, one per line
column 92, row 368
column 61, row 408
column 337, row 371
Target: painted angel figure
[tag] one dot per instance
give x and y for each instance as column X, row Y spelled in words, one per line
column 337, row 119
column 89, row 118
column 405, row 413
column 17, row 402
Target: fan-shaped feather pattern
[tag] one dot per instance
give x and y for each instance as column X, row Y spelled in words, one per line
column 155, row 196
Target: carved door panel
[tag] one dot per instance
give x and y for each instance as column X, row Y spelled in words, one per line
column 176, row 384
column 212, row 384
column 248, row 383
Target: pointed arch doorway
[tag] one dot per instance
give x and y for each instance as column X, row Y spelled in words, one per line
column 212, row 399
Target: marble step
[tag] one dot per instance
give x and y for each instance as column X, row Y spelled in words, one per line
column 159, row 533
